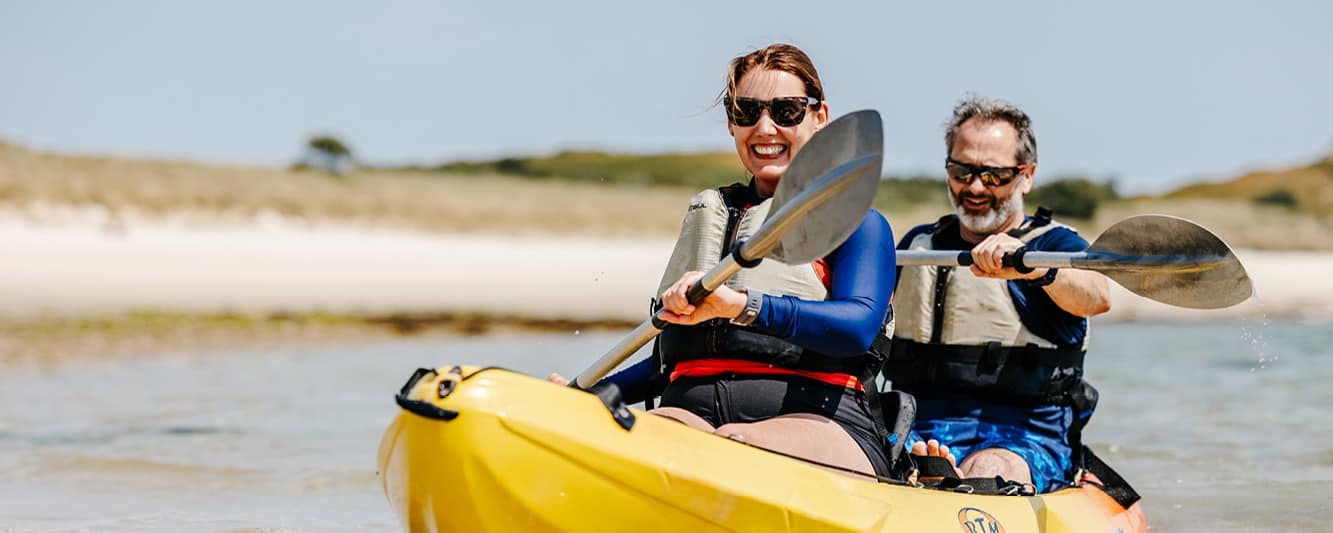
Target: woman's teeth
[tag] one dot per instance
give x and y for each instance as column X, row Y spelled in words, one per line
column 769, row 150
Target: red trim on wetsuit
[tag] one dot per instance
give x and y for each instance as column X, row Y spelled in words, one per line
column 713, row 367
column 822, row 271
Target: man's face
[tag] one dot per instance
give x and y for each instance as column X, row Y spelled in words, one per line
column 982, row 209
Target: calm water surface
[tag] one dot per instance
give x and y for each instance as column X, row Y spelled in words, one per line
column 1222, row 427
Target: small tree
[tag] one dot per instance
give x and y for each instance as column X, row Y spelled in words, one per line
column 327, row 154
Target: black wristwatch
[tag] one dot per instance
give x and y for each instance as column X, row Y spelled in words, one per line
column 1045, row 280
column 753, row 301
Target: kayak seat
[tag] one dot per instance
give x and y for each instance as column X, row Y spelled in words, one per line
column 899, row 410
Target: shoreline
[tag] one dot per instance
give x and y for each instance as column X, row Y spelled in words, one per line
column 348, row 281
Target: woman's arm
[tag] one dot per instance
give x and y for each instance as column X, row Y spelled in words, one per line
column 864, row 272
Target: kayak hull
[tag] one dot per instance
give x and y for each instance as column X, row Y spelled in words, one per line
column 507, row 452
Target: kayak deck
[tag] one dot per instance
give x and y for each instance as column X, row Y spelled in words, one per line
column 507, row 452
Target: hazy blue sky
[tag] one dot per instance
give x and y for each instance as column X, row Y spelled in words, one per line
column 1155, row 92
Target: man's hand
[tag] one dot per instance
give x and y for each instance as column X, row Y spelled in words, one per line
column 988, row 258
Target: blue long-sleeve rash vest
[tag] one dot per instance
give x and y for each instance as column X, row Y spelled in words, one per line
column 863, row 275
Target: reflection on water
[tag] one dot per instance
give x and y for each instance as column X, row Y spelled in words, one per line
column 1220, row 426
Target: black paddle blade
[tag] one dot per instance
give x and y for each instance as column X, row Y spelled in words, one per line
column 1171, row 260
column 842, row 162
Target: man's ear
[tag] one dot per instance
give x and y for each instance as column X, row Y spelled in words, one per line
column 1028, row 173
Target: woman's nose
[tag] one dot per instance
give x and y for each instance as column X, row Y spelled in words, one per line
column 766, row 126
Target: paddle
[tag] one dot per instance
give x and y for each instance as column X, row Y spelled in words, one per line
column 1160, row 257
column 819, row 202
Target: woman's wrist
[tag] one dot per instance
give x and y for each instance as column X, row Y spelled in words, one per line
column 749, row 307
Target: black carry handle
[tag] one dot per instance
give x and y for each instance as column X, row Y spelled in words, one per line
column 1013, row 260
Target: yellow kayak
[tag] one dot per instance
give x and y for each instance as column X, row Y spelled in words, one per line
column 494, row 450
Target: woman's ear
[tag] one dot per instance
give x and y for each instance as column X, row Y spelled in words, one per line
column 821, row 116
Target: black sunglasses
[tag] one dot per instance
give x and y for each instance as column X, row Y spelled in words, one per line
column 786, row 111
column 989, row 176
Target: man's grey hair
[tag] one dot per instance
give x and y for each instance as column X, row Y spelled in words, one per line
column 979, row 107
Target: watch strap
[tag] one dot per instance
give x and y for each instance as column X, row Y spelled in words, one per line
column 753, row 301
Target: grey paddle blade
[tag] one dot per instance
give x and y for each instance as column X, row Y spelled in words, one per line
column 1171, row 260
column 844, row 159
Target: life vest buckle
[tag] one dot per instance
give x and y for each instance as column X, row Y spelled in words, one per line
column 992, row 358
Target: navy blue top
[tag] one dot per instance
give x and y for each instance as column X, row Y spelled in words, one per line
column 844, row 325
column 1038, row 312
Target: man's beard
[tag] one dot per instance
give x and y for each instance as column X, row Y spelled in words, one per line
column 993, row 219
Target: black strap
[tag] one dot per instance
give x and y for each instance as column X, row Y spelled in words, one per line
column 1083, row 399
column 1022, row 374
column 903, row 408
column 720, row 339
column 1041, row 218
column 1112, row 484
column 944, row 476
column 937, row 313
column 932, row 466
column 424, row 408
column 609, row 394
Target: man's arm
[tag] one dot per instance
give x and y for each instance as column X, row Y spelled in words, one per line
column 1079, row 292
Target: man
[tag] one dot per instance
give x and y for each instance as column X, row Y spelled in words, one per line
column 993, row 354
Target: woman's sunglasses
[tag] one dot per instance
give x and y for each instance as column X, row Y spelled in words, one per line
column 989, row 176
column 786, row 111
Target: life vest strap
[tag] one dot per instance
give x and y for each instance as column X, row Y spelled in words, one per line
column 1023, row 374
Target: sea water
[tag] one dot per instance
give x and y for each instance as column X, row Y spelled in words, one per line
column 1221, row 427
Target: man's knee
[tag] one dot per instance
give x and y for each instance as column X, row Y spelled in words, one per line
column 997, row 462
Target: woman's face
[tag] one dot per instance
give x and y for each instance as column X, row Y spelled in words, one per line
column 767, row 148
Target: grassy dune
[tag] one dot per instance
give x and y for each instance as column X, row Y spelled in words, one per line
column 472, row 197
column 34, row 182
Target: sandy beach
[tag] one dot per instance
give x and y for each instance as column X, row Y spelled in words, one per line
column 85, row 267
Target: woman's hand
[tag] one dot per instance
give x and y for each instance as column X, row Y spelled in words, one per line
column 722, row 303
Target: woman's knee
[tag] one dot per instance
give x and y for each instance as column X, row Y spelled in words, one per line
column 683, row 416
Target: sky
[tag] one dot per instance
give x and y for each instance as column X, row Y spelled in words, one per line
column 1152, row 94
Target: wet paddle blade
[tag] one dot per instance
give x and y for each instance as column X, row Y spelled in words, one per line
column 853, row 147
column 1171, row 260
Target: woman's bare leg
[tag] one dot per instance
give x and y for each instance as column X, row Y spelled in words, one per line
column 803, row 435
column 684, row 417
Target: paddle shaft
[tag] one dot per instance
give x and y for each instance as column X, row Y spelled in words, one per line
column 750, row 251
column 1096, row 261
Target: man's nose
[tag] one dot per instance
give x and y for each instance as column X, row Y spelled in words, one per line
column 975, row 186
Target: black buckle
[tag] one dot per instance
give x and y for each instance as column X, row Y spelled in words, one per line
column 993, row 356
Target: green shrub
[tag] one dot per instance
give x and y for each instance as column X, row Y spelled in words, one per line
column 1277, row 197
column 1072, row 197
column 896, row 192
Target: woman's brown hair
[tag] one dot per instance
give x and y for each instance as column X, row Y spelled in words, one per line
column 783, row 57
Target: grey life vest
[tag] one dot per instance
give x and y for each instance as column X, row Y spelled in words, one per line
column 959, row 332
column 715, row 220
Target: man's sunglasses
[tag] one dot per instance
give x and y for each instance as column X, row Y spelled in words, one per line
column 786, row 111
column 989, row 176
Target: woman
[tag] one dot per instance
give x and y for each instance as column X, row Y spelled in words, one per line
column 779, row 357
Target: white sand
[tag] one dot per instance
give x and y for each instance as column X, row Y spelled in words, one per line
column 79, row 269
column 84, row 268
